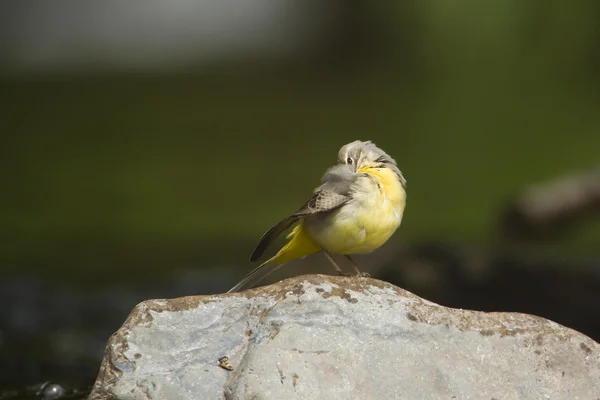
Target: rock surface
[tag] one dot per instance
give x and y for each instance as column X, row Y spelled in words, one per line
column 321, row 337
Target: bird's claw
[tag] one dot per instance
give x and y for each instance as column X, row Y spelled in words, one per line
column 363, row 275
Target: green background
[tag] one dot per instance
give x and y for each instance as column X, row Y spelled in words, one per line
column 110, row 173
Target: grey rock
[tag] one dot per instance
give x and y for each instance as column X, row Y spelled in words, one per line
column 321, row 337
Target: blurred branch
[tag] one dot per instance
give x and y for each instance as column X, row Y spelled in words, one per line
column 551, row 208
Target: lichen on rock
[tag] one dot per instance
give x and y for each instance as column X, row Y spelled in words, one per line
column 337, row 338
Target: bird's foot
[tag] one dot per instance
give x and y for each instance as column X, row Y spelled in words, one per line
column 342, row 273
column 363, row 275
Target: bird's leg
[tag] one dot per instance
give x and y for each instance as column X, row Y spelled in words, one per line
column 337, row 267
column 363, row 274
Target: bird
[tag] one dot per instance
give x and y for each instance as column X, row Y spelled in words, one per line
column 357, row 207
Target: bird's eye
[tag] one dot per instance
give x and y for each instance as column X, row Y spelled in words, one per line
column 349, row 160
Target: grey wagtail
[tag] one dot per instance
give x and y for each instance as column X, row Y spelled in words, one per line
column 355, row 210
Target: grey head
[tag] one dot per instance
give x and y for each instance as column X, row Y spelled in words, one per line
column 359, row 154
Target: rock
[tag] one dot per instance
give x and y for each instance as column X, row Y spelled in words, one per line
column 321, row 337
column 51, row 391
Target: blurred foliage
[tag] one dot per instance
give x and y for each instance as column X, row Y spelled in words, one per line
column 474, row 100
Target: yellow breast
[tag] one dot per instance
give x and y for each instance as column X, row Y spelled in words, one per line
column 366, row 222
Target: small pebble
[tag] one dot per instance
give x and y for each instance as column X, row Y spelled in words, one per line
column 51, row 391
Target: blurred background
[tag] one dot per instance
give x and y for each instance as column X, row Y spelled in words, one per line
column 145, row 146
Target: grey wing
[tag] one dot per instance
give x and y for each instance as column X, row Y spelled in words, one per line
column 322, row 201
column 333, row 193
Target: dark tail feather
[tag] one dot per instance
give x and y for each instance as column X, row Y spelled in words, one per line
column 257, row 275
column 270, row 235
